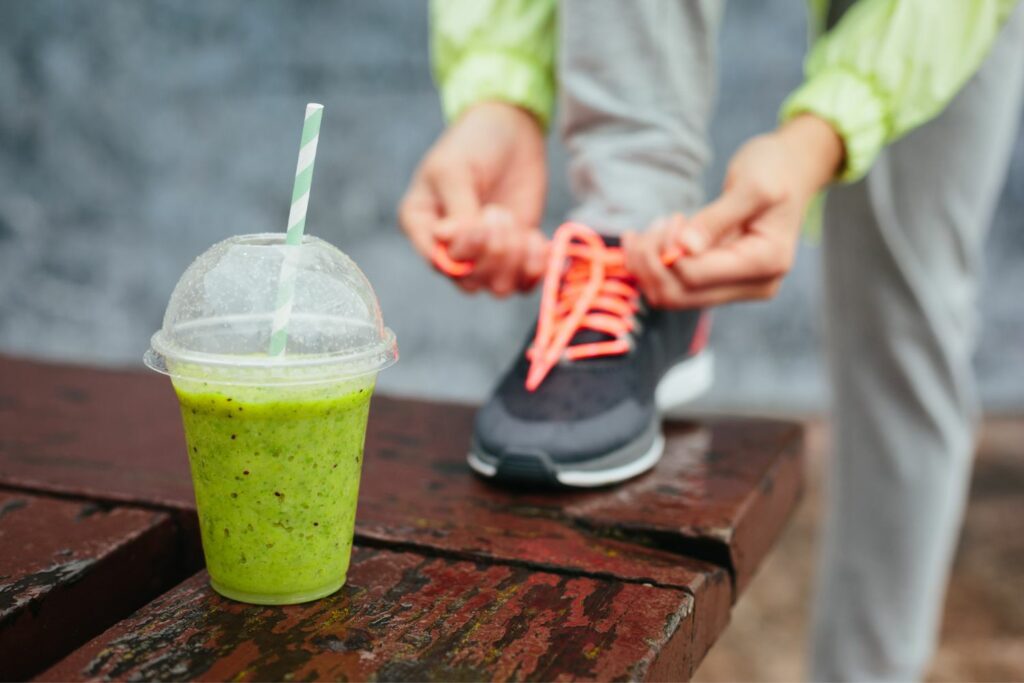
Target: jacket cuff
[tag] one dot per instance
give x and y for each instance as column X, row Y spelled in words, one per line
column 853, row 107
column 500, row 76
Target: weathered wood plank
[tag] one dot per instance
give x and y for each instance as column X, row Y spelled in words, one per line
column 404, row 616
column 69, row 570
column 100, row 434
column 722, row 492
column 417, row 491
column 51, row 445
column 724, row 487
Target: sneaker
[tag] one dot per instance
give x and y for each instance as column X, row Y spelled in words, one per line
column 581, row 405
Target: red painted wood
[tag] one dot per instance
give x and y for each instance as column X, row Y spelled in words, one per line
column 101, row 434
column 722, row 492
column 69, row 570
column 403, row 616
column 420, row 494
column 712, row 508
column 724, row 487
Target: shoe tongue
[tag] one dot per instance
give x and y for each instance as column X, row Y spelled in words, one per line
column 589, row 337
column 592, row 336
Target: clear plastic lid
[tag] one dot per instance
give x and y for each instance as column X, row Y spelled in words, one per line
column 221, row 315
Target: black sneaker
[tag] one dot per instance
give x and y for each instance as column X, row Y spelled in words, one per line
column 587, row 413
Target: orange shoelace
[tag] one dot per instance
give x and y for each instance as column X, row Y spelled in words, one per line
column 586, row 287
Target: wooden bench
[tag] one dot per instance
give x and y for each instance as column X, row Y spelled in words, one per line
column 452, row 578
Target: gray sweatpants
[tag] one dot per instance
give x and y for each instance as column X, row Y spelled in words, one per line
column 903, row 253
column 636, row 92
column 902, row 256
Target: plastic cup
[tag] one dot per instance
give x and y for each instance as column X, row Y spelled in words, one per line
column 275, row 443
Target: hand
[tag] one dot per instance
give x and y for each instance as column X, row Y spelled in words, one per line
column 480, row 190
column 501, row 255
column 645, row 259
column 741, row 245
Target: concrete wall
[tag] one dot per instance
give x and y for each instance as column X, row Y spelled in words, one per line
column 135, row 134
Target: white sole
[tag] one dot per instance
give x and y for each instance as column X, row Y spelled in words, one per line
column 479, row 466
column 684, row 382
column 584, row 479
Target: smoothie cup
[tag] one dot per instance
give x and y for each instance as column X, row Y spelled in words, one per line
column 275, row 443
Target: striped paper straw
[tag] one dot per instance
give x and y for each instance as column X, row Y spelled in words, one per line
column 296, row 226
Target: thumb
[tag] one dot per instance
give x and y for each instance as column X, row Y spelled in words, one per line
column 458, row 195
column 734, row 208
column 497, row 216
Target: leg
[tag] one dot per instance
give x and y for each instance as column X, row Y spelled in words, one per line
column 636, row 82
column 902, row 258
column 637, row 90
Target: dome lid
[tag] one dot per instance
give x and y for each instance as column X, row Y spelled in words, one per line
column 221, row 315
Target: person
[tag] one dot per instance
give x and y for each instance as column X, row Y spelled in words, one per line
column 908, row 114
column 580, row 405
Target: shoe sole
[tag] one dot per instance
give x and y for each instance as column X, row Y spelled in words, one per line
column 682, row 383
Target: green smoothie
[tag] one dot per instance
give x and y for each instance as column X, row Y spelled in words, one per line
column 276, row 475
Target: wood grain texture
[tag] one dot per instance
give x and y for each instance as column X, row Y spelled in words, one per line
column 69, row 570
column 403, row 616
column 418, row 493
column 722, row 493
column 100, row 434
column 700, row 523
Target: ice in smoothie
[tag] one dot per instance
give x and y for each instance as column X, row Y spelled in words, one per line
column 276, row 473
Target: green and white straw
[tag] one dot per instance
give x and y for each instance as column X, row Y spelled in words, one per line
column 296, row 227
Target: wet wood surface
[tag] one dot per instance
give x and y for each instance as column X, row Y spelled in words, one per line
column 403, row 616
column 101, row 434
column 722, row 493
column 698, row 525
column 70, row 569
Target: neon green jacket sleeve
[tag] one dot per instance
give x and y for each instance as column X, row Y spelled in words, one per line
column 890, row 65
column 494, row 50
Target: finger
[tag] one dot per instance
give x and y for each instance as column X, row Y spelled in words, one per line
column 736, row 207
column 496, row 246
column 759, row 290
column 633, row 246
column 445, row 229
column 642, row 268
column 638, row 249
column 629, row 247
column 535, row 262
column 752, row 257
column 444, row 232
column 468, row 245
column 670, row 245
column 467, row 285
column 764, row 251
column 498, row 216
column 507, row 271
column 471, row 248
column 662, row 283
column 418, row 217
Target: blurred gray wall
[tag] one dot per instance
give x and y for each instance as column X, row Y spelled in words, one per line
column 135, row 134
